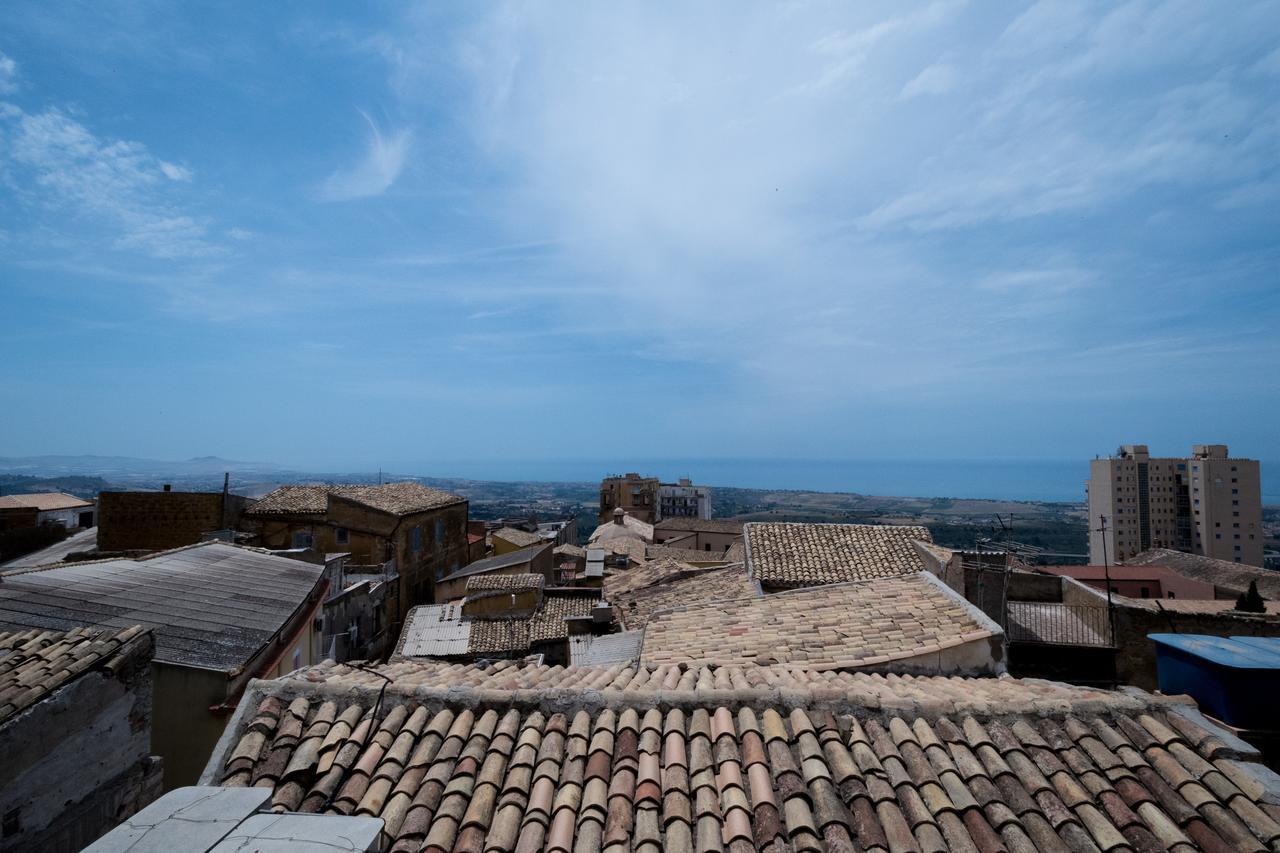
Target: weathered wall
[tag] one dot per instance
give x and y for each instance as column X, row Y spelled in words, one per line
column 78, row 762
column 1029, row 587
column 1136, row 655
column 154, row 521
column 185, row 730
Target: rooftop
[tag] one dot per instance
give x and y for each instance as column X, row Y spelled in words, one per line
column 687, row 555
column 839, row 626
column 1228, row 575
column 701, row 525
column 441, row 630
column 501, row 561
column 517, row 537
column 787, row 554
column 391, row 498
column 33, row 664
column 605, row 649
column 43, row 501
column 211, row 605
column 629, row 526
column 660, row 584
column 504, row 583
column 596, row 758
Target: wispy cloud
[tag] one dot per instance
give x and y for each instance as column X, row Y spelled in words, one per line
column 53, row 161
column 8, row 75
column 384, row 158
column 938, row 79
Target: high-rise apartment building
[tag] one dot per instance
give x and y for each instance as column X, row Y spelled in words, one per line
column 683, row 500
column 637, row 495
column 1207, row 503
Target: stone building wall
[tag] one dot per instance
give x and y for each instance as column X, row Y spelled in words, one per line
column 156, row 521
column 78, row 762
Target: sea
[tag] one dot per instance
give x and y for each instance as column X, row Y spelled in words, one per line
column 1055, row 480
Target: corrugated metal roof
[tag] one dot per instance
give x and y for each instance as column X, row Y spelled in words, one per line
column 212, row 605
column 605, row 650
column 435, row 630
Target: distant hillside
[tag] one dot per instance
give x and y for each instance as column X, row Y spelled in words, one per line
column 81, row 487
column 127, row 466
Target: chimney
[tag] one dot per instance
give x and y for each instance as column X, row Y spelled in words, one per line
column 168, row 487
column 618, row 515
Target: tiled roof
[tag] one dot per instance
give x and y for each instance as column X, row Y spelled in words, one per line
column 43, row 501
column 1228, row 575
column 1210, row 606
column 504, row 583
column 634, row 549
column 211, row 605
column 520, row 538
column 638, row 593
column 630, row 526
column 570, row 551
column 787, row 554
column 839, row 626
column 849, row 763
column 702, row 525
column 393, row 498
column 687, row 555
column 33, row 664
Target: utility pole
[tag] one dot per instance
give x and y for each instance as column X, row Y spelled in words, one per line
column 1106, row 573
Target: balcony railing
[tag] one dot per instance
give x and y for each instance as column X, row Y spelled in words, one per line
column 1058, row 624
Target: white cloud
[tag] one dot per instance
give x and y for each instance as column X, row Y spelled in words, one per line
column 57, row 162
column 937, row 79
column 174, row 172
column 8, row 74
column 384, row 159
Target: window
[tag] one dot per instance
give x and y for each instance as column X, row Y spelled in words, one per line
column 342, row 536
column 1235, row 491
column 1235, row 535
column 415, row 538
column 1235, row 503
column 1146, row 593
column 301, row 539
column 438, row 541
column 297, row 659
column 1217, row 536
column 1171, row 595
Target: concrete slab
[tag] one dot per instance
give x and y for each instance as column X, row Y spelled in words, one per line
column 302, row 833
column 193, row 819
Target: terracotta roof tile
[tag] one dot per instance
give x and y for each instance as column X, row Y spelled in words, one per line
column 792, row 555
column 836, row 627
column 504, row 583
column 394, row 498
column 35, row 664
column 637, row 593
column 517, row 537
column 531, row 757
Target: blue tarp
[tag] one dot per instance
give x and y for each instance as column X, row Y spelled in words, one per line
column 1235, row 652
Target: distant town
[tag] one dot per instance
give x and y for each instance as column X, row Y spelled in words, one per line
column 644, row 661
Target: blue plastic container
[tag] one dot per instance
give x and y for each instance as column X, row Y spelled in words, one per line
column 1236, row 679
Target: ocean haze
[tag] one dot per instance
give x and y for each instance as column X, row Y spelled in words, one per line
column 1055, row 480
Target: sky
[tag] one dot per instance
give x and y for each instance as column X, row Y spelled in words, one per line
column 343, row 235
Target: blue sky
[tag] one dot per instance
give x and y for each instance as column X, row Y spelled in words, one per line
column 343, row 235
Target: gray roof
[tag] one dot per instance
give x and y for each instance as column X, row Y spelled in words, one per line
column 211, row 605
column 1227, row 575
column 606, row 649
column 434, row 630
column 502, row 561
